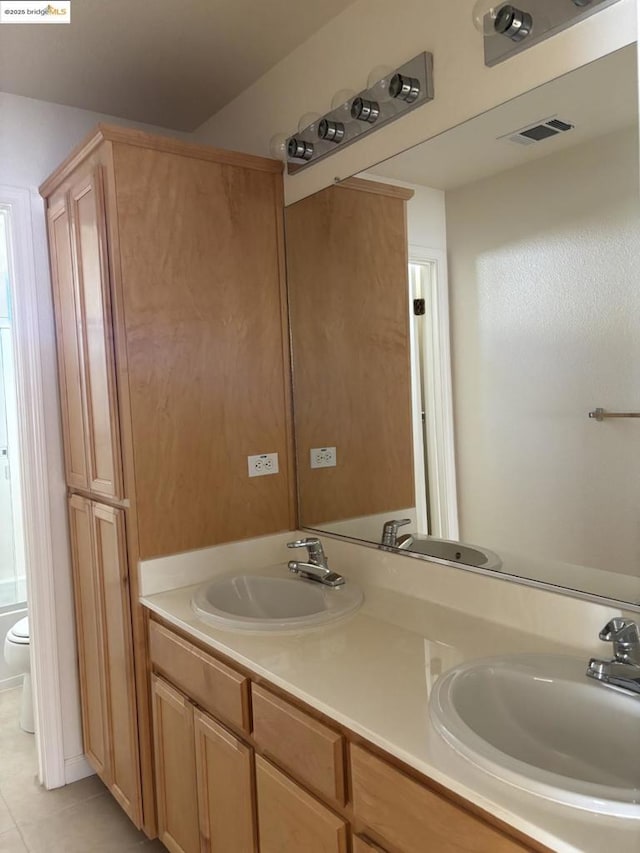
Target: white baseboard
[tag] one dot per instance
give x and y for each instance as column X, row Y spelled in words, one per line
column 77, row 768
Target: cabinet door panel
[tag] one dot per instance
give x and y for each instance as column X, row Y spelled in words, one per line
column 290, row 820
column 70, row 366
column 225, row 789
column 103, row 438
column 88, row 600
column 175, row 769
column 111, row 561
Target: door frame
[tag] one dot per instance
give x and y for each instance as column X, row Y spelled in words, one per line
column 45, row 670
column 439, row 421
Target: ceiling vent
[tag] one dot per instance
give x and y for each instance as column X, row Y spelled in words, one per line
column 540, row 130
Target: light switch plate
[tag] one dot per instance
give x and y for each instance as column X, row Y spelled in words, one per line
column 263, row 464
column 323, row 457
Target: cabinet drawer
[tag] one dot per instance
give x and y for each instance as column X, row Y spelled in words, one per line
column 211, row 684
column 412, row 817
column 292, row 821
column 306, row 748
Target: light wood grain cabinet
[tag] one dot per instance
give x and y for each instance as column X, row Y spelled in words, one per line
column 105, row 647
column 170, row 306
column 288, row 787
column 204, row 779
column 77, row 237
column 175, row 762
column 225, row 768
column 291, row 820
column 414, row 818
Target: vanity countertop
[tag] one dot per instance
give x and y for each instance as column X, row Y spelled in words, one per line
column 373, row 674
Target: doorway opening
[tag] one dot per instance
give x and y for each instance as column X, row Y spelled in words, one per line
column 432, row 395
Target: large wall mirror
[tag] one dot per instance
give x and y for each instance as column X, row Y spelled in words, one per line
column 457, row 313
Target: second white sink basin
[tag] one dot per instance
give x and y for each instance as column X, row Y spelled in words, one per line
column 537, row 722
column 266, row 603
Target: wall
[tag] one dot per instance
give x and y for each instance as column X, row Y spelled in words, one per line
column 34, row 138
column 371, row 32
column 543, row 262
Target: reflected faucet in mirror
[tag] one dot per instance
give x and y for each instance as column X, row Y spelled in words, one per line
column 390, row 538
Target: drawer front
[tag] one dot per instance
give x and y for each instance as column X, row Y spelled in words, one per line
column 306, row 748
column 292, row 821
column 412, row 817
column 211, row 684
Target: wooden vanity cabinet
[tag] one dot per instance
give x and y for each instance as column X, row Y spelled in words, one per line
column 288, row 785
column 167, row 267
column 204, row 779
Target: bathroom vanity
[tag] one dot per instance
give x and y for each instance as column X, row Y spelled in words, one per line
column 325, row 736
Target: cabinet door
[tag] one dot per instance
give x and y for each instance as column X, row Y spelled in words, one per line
column 89, row 607
column 290, row 820
column 175, row 769
column 225, row 789
column 111, row 568
column 95, row 326
column 70, row 351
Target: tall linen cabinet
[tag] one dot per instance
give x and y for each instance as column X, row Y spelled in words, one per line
column 167, row 269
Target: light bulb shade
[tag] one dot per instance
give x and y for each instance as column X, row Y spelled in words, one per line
column 342, row 100
column 309, row 120
column 331, row 131
column 484, row 16
column 405, row 88
column 278, row 146
column 365, row 110
column 381, row 74
column 299, row 149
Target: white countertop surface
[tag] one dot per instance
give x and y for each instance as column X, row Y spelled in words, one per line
column 373, row 673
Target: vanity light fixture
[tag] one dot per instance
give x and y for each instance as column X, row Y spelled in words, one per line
column 509, row 29
column 389, row 95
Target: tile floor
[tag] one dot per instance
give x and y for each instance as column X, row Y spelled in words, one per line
column 80, row 818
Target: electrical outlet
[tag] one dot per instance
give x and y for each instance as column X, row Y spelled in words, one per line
column 263, row 464
column 323, row 457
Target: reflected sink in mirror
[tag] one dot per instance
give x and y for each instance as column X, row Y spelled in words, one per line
column 260, row 603
column 538, row 723
column 452, row 551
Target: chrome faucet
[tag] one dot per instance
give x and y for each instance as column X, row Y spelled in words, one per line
column 390, row 538
column 623, row 670
column 317, row 566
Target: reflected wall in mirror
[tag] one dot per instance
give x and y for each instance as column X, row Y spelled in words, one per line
column 456, row 313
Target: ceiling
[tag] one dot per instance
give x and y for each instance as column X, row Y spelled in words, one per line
column 167, row 63
column 598, row 98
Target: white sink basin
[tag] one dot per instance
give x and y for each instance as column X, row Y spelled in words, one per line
column 537, row 722
column 265, row 603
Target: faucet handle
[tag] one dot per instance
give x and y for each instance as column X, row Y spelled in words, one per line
column 625, row 636
column 316, row 551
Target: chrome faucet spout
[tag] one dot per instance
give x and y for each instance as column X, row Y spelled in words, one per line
column 316, row 568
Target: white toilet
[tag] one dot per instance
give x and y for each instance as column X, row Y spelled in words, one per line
column 17, row 656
